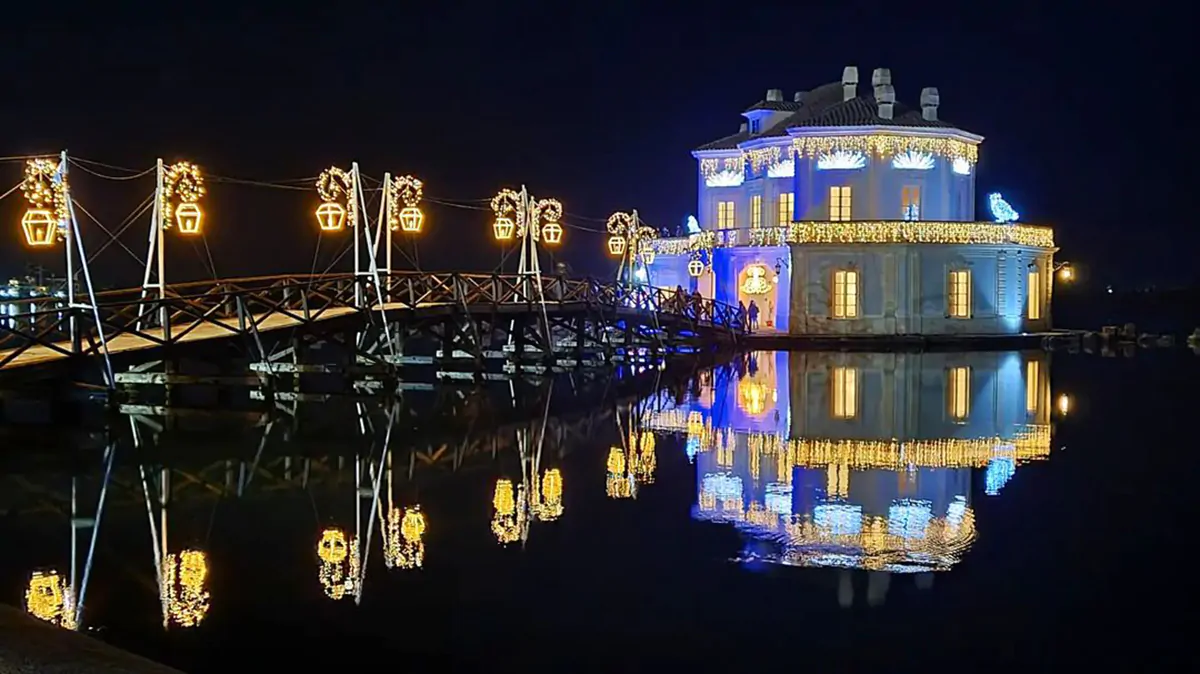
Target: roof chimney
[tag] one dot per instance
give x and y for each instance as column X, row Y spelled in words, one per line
column 929, row 103
column 885, row 96
column 880, row 78
column 775, row 95
column 849, row 83
column 742, row 128
column 799, row 97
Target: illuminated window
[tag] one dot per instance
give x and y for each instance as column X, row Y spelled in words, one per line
column 839, row 203
column 724, row 215
column 910, row 203
column 844, row 394
column 845, row 293
column 756, row 211
column 958, row 293
column 1035, row 295
column 787, row 203
column 1031, row 386
column 958, row 392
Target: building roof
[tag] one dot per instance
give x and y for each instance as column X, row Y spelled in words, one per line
column 824, row 107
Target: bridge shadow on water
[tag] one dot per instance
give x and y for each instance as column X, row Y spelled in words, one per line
column 901, row 510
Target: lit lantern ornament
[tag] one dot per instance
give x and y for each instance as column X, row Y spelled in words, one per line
column 504, row 205
column 405, row 190
column 648, row 254
column 182, row 182
column 49, row 598
column 334, row 187
column 503, row 228
column 45, row 190
column 552, row 233
column 188, row 218
column 331, row 216
column 183, row 587
column 340, row 564
column 616, row 245
column 695, row 268
column 40, row 228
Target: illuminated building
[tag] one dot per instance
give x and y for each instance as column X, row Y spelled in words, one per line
column 841, row 213
column 866, row 460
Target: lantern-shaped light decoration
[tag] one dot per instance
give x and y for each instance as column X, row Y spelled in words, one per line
column 549, row 212
column 509, row 512
column 340, row 564
column 550, row 502
column 403, row 545
column 647, row 253
column 182, row 182
column 618, row 483
column 183, row 587
column 335, row 186
column 45, row 190
column 621, row 229
column 505, row 205
column 695, row 267
column 405, row 190
column 49, row 598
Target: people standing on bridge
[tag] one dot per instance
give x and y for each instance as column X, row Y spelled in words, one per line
column 697, row 301
column 680, row 300
column 742, row 316
column 753, row 316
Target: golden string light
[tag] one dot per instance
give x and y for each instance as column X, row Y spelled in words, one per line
column 548, row 505
column 869, row 232
column 403, row 544
column 627, row 234
column 405, row 190
column 339, row 563
column 507, row 206
column 183, row 182
column 50, row 598
column 882, row 145
column 338, row 200
column 545, row 216
column 508, row 518
column 644, row 462
column 45, row 189
column 183, row 587
column 618, row 482
column 619, row 224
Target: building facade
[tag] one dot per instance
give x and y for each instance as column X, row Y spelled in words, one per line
column 841, row 213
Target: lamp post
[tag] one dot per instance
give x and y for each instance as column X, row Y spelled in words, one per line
column 629, row 240
column 530, row 220
column 177, row 190
column 399, row 212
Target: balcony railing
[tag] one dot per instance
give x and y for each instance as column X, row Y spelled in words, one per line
column 864, row 232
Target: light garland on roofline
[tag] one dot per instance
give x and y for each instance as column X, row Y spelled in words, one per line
column 710, row 166
column 896, row 231
column 886, row 146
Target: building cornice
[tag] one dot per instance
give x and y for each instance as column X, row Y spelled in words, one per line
column 884, row 130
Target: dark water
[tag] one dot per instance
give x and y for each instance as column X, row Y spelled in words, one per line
column 894, row 510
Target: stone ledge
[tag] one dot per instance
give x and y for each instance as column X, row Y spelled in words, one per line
column 28, row 646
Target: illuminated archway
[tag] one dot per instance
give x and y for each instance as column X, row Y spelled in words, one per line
column 759, row 283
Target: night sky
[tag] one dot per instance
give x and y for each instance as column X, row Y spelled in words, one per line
column 597, row 104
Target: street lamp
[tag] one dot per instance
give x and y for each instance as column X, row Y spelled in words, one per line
column 1065, row 271
column 336, row 189
column 528, row 219
column 178, row 188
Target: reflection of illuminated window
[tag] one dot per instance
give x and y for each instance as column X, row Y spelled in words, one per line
column 958, row 293
column 845, row 293
column 724, row 215
column 1035, row 296
column 838, row 484
column 839, row 520
column 958, row 392
column 1031, row 386
column 909, row 519
column 845, row 392
column 756, row 210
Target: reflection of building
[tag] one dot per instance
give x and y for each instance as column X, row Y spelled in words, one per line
column 841, row 213
column 865, row 460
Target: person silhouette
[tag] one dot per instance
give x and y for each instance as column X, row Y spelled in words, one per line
column 753, row 316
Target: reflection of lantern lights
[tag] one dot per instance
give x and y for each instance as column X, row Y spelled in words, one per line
column 552, row 233
column 618, row 484
column 188, row 217
column 49, row 598
column 695, row 268
column 507, row 510
column 331, row 216
column 503, row 228
column 411, row 219
column 616, row 245
column 550, row 504
column 403, row 545
column 184, row 595
column 340, row 564
column 40, row 228
column 752, row 397
column 646, row 460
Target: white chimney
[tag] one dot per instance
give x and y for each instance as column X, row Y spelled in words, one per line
column 880, row 78
column 885, row 96
column 849, row 83
column 775, row 95
column 929, row 103
column 798, row 97
column 743, row 128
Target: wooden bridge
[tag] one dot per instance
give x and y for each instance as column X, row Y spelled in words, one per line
column 463, row 324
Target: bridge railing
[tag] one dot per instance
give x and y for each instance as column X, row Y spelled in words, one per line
column 236, row 306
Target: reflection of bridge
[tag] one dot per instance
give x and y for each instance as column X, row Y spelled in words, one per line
column 458, row 322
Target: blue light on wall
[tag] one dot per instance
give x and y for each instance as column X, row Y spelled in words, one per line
column 1001, row 211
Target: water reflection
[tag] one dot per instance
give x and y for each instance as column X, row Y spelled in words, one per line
column 860, row 460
